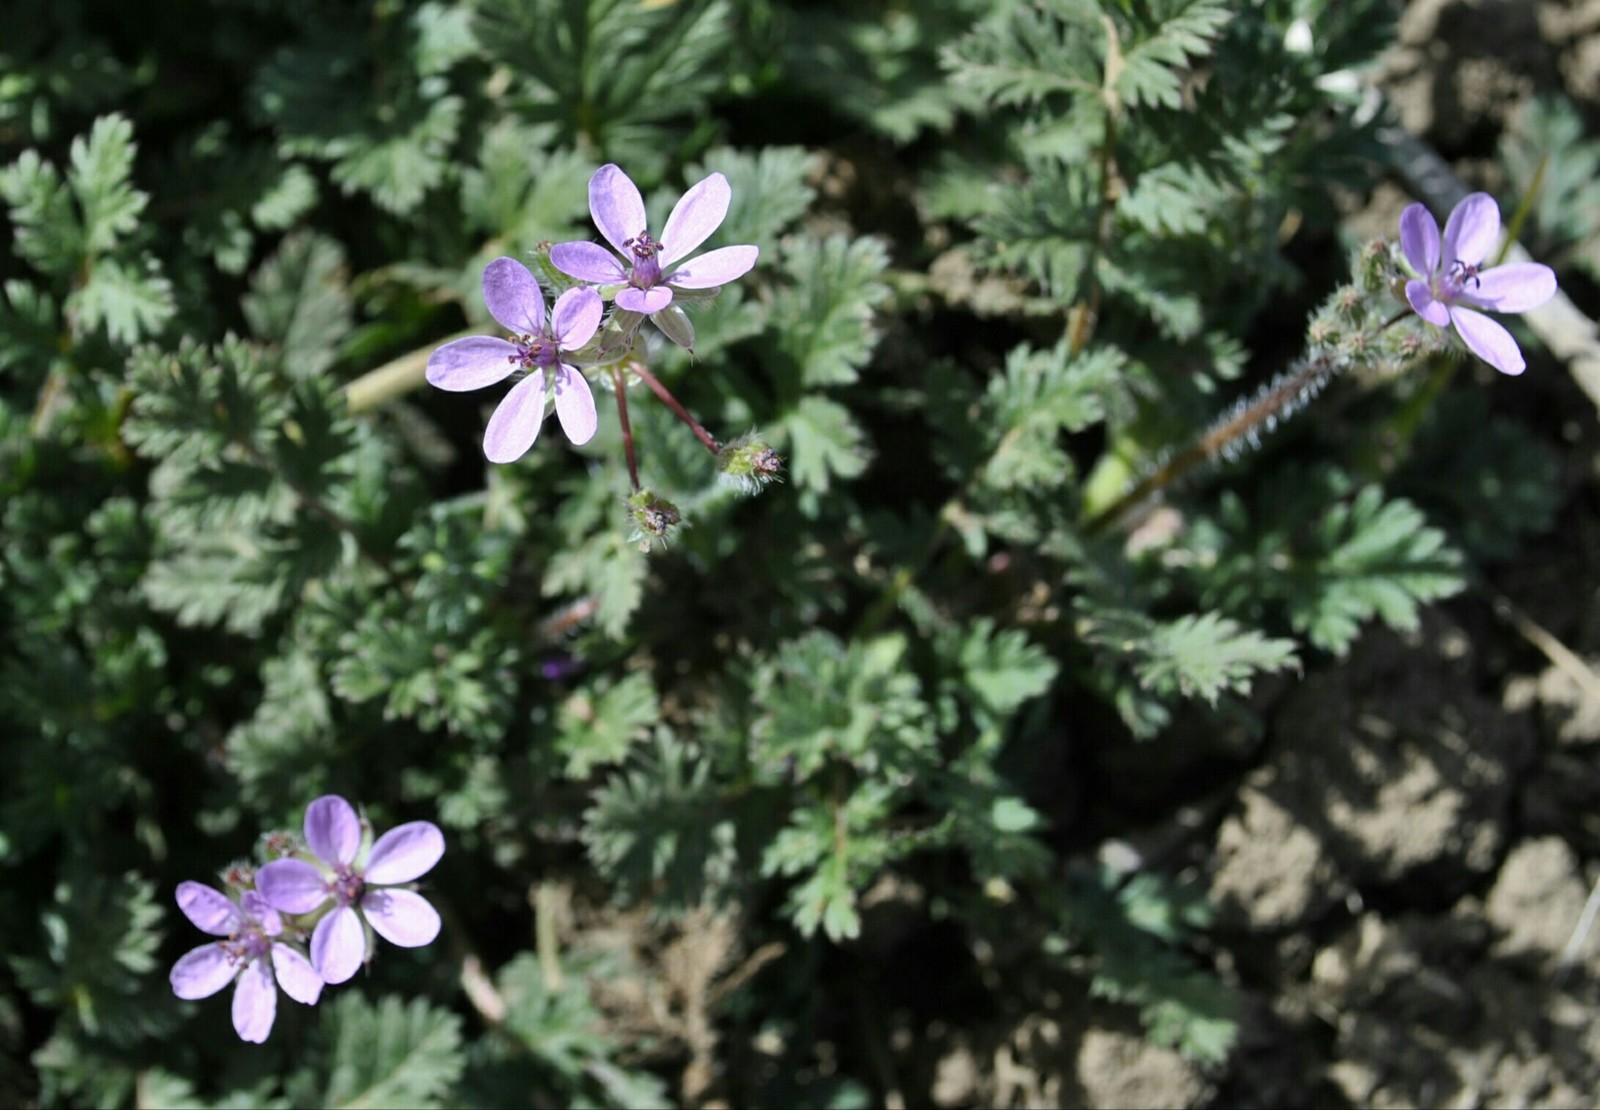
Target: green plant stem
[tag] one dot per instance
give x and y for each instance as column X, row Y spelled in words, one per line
column 394, row 378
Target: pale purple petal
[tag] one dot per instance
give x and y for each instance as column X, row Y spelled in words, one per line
column 211, row 911
column 405, row 852
column 296, row 976
column 255, row 1003
column 471, row 363
column 259, row 910
column 513, row 296
column 715, row 268
column 575, row 406
column 401, row 917
column 588, row 262
column 616, row 206
column 1420, row 294
column 333, row 830
column 516, row 421
column 338, row 945
column 576, row 318
column 1488, row 340
column 292, row 885
column 644, row 301
column 1471, row 230
column 700, row 212
column 1419, row 238
column 1516, row 287
column 202, row 972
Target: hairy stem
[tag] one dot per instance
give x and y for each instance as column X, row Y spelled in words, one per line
column 1243, row 424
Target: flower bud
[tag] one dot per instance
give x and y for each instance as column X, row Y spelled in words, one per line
column 653, row 517
column 749, row 461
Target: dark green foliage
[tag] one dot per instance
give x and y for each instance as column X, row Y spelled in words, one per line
column 1133, row 923
column 391, row 1054
column 1333, row 559
column 833, row 674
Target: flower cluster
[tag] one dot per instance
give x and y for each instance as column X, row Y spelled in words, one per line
column 333, row 891
column 647, row 278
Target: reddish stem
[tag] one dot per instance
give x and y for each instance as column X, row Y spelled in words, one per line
column 678, row 410
column 621, row 387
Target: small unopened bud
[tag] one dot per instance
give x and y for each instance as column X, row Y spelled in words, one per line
column 239, row 876
column 277, row 844
column 1374, row 265
column 674, row 324
column 749, row 461
column 653, row 517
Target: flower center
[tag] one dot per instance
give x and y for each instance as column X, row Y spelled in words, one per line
column 345, row 887
column 1457, row 277
column 534, row 352
column 248, row 944
column 646, row 270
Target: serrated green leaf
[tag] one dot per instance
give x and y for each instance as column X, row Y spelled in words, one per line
column 27, row 328
column 49, row 234
column 1041, row 396
column 599, row 726
column 130, row 305
column 101, row 939
column 444, row 37
column 1002, row 668
column 399, row 168
column 522, row 191
column 1380, row 559
column 658, row 827
column 825, row 443
column 298, row 301
column 825, row 318
column 99, row 170
column 1024, row 53
column 288, row 198
column 1206, row 655
column 389, row 1054
column 628, row 68
column 1154, row 57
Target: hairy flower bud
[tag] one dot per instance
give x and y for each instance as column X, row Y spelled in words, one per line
column 653, row 517
column 749, row 461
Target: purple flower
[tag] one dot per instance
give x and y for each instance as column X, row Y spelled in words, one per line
column 1450, row 286
column 250, row 927
column 515, row 300
column 399, row 916
column 649, row 268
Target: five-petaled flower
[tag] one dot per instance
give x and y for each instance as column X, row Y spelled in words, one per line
column 251, row 954
column 400, row 916
column 650, row 269
column 1451, row 285
column 515, row 300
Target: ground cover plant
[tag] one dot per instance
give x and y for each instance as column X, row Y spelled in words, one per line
column 976, row 420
